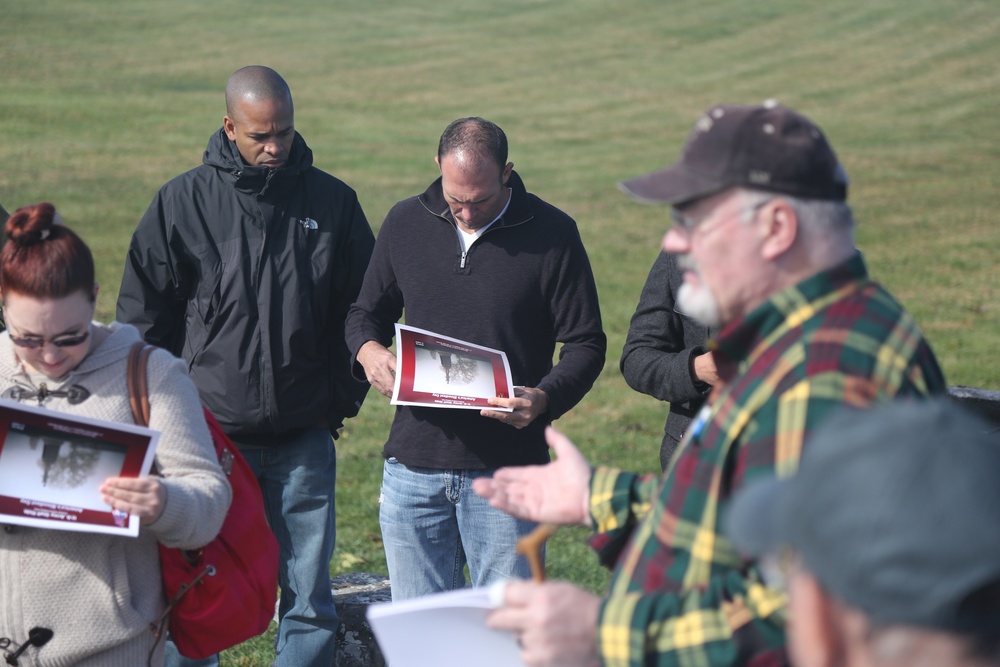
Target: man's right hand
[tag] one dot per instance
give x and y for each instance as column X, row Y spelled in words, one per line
column 380, row 366
column 557, row 492
column 705, row 369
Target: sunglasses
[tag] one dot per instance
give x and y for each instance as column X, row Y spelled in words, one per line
column 65, row 341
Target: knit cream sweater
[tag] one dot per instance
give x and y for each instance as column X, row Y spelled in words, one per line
column 99, row 593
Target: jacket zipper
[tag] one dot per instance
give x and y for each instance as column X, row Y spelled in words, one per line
column 262, row 354
column 465, row 253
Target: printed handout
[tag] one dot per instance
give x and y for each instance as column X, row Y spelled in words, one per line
column 52, row 465
column 444, row 629
column 441, row 372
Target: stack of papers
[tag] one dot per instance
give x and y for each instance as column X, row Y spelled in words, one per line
column 445, row 628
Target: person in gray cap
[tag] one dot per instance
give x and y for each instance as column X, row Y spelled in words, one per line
column 885, row 539
column 764, row 238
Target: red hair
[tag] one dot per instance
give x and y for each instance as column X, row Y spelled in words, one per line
column 43, row 258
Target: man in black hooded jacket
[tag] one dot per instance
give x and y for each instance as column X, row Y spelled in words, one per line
column 245, row 267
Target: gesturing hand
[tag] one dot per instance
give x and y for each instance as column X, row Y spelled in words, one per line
column 557, row 492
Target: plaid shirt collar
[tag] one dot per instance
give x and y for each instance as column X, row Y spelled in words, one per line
column 738, row 340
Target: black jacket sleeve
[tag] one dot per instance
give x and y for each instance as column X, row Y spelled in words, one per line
column 152, row 296
column 578, row 328
column 348, row 391
column 380, row 302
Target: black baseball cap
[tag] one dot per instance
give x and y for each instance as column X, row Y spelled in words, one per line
column 895, row 511
column 766, row 147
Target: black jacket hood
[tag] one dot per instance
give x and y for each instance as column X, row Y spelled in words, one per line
column 247, row 274
column 222, row 154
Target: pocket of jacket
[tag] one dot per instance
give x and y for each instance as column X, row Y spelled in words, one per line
column 209, row 295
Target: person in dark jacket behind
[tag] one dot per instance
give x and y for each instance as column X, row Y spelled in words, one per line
column 475, row 257
column 245, row 267
column 3, row 220
column 665, row 354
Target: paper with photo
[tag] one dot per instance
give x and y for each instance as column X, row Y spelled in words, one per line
column 444, row 629
column 52, row 465
column 442, row 372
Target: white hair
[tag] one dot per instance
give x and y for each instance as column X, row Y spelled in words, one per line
column 819, row 214
column 827, row 227
column 904, row 646
column 824, row 215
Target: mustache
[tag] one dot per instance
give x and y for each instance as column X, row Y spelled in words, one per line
column 687, row 263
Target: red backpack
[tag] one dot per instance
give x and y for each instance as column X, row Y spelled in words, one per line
column 224, row 593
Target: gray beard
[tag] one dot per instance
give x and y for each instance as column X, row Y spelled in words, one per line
column 699, row 304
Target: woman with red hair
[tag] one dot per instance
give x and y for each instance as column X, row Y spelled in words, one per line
column 97, row 593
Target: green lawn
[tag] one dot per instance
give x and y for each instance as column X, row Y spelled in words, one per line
column 103, row 101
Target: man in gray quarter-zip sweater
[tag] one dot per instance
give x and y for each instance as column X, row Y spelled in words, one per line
column 478, row 258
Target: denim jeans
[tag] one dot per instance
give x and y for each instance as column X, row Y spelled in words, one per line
column 298, row 479
column 174, row 659
column 433, row 523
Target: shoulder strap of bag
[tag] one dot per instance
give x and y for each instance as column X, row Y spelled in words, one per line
column 138, row 398
column 138, row 389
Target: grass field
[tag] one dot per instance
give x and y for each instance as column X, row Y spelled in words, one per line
column 103, row 101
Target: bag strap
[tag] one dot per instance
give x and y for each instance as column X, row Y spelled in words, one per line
column 138, row 388
column 138, row 398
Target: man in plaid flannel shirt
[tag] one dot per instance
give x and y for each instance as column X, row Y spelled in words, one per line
column 766, row 242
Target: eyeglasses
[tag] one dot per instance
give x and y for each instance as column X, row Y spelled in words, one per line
column 64, row 341
column 684, row 222
column 687, row 224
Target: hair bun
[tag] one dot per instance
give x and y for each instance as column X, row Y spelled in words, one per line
column 31, row 224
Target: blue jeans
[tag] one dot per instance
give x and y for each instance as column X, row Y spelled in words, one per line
column 433, row 523
column 298, row 479
column 171, row 658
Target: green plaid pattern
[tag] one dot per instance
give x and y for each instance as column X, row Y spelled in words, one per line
column 681, row 594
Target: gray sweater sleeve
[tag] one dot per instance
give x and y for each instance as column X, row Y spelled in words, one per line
column 661, row 343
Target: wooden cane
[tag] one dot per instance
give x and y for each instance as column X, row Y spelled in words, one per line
column 530, row 546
